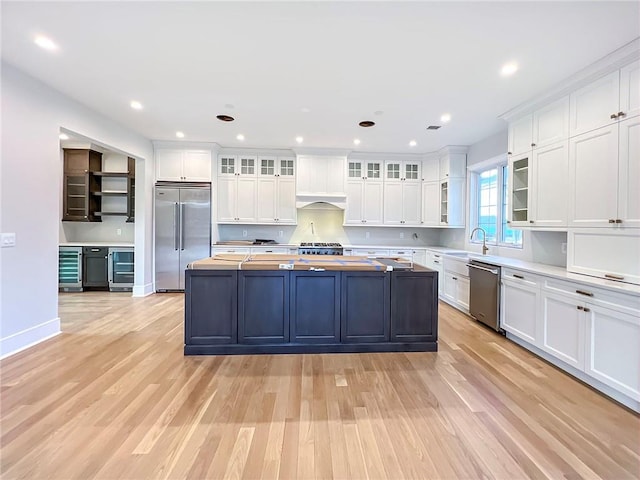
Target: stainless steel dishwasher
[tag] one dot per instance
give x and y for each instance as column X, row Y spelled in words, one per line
column 484, row 293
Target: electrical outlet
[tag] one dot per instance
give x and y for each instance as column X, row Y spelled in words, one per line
column 401, row 234
column 118, row 231
column 244, row 233
column 563, row 247
column 8, row 240
column 366, row 234
column 280, row 233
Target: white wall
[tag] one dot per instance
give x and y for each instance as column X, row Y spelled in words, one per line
column 30, row 173
column 488, row 148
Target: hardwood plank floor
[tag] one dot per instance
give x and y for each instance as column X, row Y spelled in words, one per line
column 114, row 397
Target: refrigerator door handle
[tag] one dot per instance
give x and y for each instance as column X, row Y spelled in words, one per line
column 182, row 226
column 176, row 226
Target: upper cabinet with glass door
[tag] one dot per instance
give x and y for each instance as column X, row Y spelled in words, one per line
column 364, row 192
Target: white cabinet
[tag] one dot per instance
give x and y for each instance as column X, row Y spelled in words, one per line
column 608, row 100
column 456, row 283
column 320, row 175
column 629, row 172
column 595, row 331
column 612, row 355
column 434, row 262
column 274, row 250
column 221, row 250
column 612, row 254
column 538, row 187
column 364, row 193
column 519, row 305
column 402, row 193
column 452, row 164
column 593, row 178
column 237, row 190
column 431, row 204
column 176, row 165
column 276, row 194
column 452, row 202
column 604, row 176
column 420, row 256
column 547, row 125
column 402, row 253
column 563, row 328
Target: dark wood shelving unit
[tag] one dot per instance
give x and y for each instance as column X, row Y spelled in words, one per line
column 83, row 187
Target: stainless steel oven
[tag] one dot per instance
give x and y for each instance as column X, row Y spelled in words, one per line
column 484, row 293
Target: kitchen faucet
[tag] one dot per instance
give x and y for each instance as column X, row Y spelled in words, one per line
column 484, row 239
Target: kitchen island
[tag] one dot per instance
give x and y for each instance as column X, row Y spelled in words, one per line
column 236, row 304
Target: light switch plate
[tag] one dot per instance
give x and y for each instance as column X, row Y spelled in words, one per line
column 8, row 240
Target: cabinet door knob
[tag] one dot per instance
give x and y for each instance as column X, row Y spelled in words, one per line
column 587, row 309
column 614, row 116
column 611, row 220
column 621, row 114
column 580, row 307
column 509, row 153
column 531, row 221
column 455, row 278
column 533, row 144
column 618, row 220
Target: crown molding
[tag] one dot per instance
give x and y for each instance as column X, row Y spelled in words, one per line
column 610, row 63
column 327, row 152
column 182, row 145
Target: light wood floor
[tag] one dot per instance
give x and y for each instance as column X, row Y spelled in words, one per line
column 113, row 397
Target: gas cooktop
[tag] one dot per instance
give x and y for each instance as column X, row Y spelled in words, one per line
column 320, row 248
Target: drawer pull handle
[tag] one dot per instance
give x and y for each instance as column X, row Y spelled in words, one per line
column 611, row 220
column 518, row 276
column 455, row 278
column 618, row 220
column 582, row 292
column 436, row 261
column 613, row 277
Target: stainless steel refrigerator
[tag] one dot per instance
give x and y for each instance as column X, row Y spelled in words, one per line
column 182, row 230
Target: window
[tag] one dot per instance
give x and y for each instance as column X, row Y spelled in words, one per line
column 490, row 208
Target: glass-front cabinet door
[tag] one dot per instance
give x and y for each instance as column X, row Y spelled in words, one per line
column 121, row 262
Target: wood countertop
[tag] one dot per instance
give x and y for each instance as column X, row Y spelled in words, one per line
column 290, row 262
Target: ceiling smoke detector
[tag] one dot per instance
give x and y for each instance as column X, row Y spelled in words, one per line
column 433, row 127
column 367, row 123
column 225, row 118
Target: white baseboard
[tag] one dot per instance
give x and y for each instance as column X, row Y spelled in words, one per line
column 27, row 338
column 142, row 290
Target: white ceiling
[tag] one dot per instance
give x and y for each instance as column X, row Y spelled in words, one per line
column 342, row 61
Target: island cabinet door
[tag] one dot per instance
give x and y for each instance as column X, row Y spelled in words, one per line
column 263, row 307
column 211, row 307
column 315, row 307
column 365, row 307
column 414, row 307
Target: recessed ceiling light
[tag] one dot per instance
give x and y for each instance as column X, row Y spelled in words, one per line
column 180, row 134
column 44, row 42
column 225, row 118
column 413, row 143
column 64, row 136
column 356, row 141
column 136, row 105
column 367, row 123
column 445, row 118
column 299, row 139
column 509, row 69
column 240, row 136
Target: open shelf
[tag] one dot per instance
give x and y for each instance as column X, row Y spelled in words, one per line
column 108, row 214
column 111, row 174
column 110, row 194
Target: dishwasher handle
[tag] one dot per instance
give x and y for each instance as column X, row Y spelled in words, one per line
column 490, row 270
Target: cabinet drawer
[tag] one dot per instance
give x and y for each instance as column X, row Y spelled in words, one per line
column 626, row 303
column 218, row 250
column 272, row 250
column 456, row 266
column 406, row 253
column 370, row 252
column 521, row 278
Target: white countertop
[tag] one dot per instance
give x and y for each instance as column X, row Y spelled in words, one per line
column 549, row 270
column 96, row 244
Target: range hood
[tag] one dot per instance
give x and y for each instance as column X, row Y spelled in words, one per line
column 321, row 201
